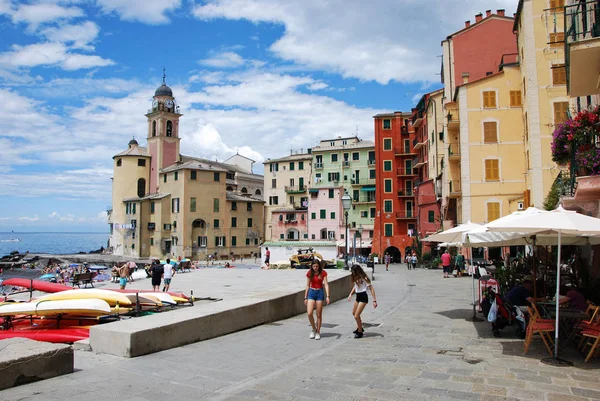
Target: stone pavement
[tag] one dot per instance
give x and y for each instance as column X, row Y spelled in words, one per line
column 417, row 346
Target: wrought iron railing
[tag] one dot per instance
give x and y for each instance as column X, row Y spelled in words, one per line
column 582, row 21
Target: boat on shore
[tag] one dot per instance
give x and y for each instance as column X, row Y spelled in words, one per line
column 10, row 240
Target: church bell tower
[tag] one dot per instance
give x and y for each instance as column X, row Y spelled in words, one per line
column 163, row 132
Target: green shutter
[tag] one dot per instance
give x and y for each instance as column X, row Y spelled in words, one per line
column 233, row 241
column 313, row 215
column 332, row 215
column 216, row 241
column 323, row 213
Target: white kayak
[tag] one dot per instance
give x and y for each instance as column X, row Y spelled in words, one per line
column 78, row 307
column 111, row 297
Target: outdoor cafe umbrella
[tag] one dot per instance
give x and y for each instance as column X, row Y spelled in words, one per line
column 561, row 222
column 455, row 235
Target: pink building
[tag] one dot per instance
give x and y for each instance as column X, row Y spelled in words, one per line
column 326, row 219
column 289, row 225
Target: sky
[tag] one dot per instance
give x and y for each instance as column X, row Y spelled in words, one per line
column 257, row 77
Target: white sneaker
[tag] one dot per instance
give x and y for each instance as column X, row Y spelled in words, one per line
column 312, row 334
column 317, row 336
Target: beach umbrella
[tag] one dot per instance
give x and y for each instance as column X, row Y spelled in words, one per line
column 455, row 235
column 97, row 267
column 47, row 277
column 560, row 222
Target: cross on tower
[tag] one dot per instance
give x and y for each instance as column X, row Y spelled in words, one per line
column 164, row 75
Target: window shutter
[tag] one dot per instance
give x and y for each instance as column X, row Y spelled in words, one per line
column 490, row 132
column 560, row 112
column 216, row 241
column 224, row 241
column 493, row 211
column 491, row 170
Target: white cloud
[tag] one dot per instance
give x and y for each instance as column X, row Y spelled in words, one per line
column 223, row 60
column 383, row 41
column 79, row 36
column 42, row 12
column 29, row 219
column 416, row 97
column 148, row 11
column 50, row 53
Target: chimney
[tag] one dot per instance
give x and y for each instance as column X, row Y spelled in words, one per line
column 467, row 24
column 478, row 17
column 500, row 12
column 488, row 13
column 465, row 77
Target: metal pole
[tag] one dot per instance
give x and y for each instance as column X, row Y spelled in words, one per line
column 557, row 298
column 346, row 267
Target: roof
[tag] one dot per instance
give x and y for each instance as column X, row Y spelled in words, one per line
column 518, row 16
column 238, row 155
column 476, row 81
column 193, row 165
column 147, row 197
column 241, row 198
column 303, row 156
column 394, row 114
column 163, row 90
column 215, row 164
column 477, row 24
column 133, row 150
column 299, row 244
column 358, row 145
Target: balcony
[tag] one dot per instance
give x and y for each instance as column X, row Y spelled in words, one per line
column 582, row 48
column 420, row 164
column 408, row 214
column 346, row 163
column 296, row 189
column 405, row 172
column 363, row 181
column 455, row 189
column 404, row 151
column 290, row 222
column 418, row 145
column 365, row 199
column 319, row 166
column 452, row 116
column 454, row 152
column 371, row 162
column 408, row 193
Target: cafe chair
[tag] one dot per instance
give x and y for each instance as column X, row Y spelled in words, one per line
column 537, row 325
column 593, row 323
column 592, row 338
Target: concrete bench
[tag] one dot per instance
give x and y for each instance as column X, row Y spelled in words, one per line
column 25, row 361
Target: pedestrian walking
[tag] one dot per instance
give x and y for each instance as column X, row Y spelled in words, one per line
column 386, row 259
column 446, row 259
column 168, row 275
column 317, row 291
column 123, row 273
column 413, row 260
column 156, row 271
column 267, row 258
column 361, row 283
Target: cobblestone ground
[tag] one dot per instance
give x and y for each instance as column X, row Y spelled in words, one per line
column 418, row 346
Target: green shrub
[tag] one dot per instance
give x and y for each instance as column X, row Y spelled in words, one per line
column 427, row 257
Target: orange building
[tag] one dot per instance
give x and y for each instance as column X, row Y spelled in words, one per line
column 395, row 218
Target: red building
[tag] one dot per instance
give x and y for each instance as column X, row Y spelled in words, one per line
column 427, row 193
column 395, row 218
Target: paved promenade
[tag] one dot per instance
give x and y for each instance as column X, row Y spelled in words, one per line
column 417, row 346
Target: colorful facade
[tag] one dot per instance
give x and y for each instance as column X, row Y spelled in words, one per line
column 395, row 218
column 286, row 183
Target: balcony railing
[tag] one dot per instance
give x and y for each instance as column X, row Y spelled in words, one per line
column 363, row 181
column 405, row 193
column 581, row 23
column 364, row 199
column 403, row 151
column 318, row 166
column 455, row 189
column 454, row 151
column 296, row 189
column 405, row 172
column 346, row 163
column 371, row 162
column 406, row 214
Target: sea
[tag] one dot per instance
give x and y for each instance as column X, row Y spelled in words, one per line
column 52, row 243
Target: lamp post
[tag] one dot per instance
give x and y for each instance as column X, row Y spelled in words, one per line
column 346, row 203
column 360, row 230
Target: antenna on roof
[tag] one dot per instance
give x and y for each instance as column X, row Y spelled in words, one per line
column 164, row 76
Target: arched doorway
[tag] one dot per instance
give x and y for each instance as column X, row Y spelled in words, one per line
column 394, row 253
column 199, row 237
column 292, row 234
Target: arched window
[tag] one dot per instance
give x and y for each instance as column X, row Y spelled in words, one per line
column 280, row 217
column 244, row 190
column 324, row 233
column 258, row 192
column 169, row 128
column 119, row 162
column 141, row 189
column 199, row 223
column 153, row 128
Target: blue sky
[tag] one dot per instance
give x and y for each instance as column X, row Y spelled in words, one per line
column 77, row 76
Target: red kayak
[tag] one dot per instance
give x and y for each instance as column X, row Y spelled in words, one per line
column 48, row 335
column 37, row 285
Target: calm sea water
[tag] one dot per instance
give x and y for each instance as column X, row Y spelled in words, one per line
column 55, row 243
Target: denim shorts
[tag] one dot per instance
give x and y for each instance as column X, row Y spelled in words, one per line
column 316, row 295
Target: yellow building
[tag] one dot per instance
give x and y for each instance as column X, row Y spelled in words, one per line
column 165, row 204
column 539, row 25
column 484, row 176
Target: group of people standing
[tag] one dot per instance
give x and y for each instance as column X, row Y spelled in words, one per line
column 317, row 293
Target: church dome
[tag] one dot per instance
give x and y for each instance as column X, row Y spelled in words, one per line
column 163, row 90
column 133, row 142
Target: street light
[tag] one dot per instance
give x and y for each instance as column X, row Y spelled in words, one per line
column 346, row 203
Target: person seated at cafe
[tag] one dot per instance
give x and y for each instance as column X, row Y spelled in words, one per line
column 573, row 297
column 522, row 295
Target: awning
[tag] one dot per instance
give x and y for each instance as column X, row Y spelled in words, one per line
column 368, row 189
column 367, row 243
column 313, row 190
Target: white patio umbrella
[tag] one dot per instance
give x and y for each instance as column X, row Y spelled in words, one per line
column 559, row 221
column 455, row 235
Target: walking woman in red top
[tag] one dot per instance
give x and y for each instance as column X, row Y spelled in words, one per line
column 316, row 281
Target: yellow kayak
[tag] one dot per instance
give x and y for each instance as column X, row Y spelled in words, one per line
column 111, row 297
